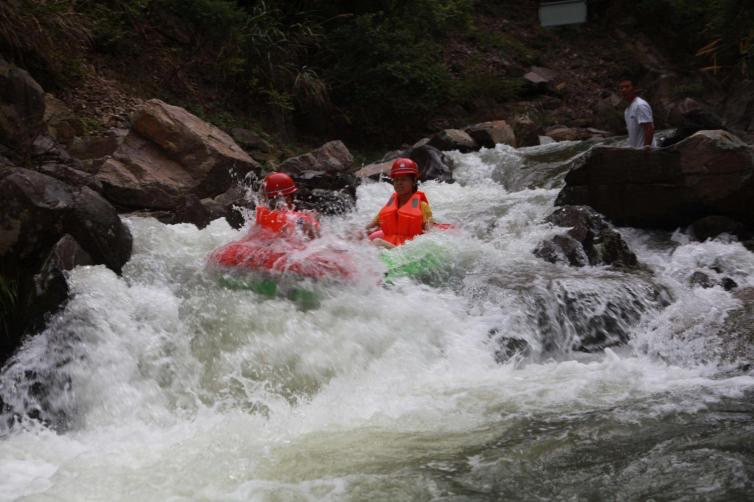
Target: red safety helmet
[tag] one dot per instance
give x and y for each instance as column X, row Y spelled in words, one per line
column 402, row 166
column 278, row 184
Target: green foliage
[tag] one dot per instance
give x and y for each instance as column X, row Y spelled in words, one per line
column 487, row 85
column 387, row 71
column 506, row 44
column 727, row 26
column 43, row 34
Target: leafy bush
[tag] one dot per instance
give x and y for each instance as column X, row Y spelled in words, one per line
column 43, row 35
column 726, row 26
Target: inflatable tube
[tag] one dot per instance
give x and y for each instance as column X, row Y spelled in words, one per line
column 423, row 261
column 269, row 253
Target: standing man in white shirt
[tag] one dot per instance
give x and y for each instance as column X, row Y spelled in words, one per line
column 638, row 115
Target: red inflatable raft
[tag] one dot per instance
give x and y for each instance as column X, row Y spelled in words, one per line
column 264, row 251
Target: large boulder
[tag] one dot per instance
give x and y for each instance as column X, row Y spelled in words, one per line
column 737, row 333
column 332, row 157
column 489, row 134
column 453, row 139
column 433, row 164
column 689, row 116
column 589, row 240
column 39, row 210
column 326, row 193
column 46, row 228
column 169, row 154
column 324, row 178
column 22, row 107
column 739, row 107
column 711, row 172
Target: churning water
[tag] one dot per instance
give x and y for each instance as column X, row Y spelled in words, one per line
column 162, row 385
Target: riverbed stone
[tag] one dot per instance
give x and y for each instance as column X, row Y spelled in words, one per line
column 169, row 154
column 589, row 240
column 709, row 173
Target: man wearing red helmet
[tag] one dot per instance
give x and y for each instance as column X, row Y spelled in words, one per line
column 407, row 212
column 281, row 217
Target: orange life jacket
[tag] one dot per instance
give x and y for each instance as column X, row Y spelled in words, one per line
column 283, row 221
column 401, row 224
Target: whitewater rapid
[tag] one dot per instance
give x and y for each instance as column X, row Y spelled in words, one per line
column 163, row 385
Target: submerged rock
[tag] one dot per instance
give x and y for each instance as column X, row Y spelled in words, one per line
column 590, row 240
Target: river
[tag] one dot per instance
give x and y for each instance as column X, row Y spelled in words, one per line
column 161, row 385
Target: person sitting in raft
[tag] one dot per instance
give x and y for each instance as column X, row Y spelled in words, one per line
column 407, row 212
column 281, row 216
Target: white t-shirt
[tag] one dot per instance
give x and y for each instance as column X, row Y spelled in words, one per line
column 637, row 113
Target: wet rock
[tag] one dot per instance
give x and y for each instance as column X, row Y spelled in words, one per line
column 739, row 107
column 689, row 116
column 489, row 134
column 230, row 205
column 22, row 107
column 737, row 333
column 191, row 210
column 590, row 240
column 330, row 158
column 326, row 193
column 728, row 284
column 453, row 139
column 710, row 173
column 38, row 210
column 169, row 154
column 701, row 279
column 711, row 226
column 39, row 218
column 564, row 313
column 433, row 164
column 50, row 284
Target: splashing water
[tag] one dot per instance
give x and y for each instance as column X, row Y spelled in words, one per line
column 503, row 377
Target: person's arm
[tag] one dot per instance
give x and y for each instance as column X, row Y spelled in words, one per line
column 646, row 121
column 427, row 220
column 649, row 133
column 374, row 224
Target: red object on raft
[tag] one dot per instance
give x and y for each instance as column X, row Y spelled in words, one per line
column 265, row 251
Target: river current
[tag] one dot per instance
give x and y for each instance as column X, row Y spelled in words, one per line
column 163, row 385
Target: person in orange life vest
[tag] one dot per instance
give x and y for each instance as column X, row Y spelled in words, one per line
column 407, row 212
column 281, row 217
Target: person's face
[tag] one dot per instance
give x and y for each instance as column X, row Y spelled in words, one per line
column 627, row 90
column 403, row 184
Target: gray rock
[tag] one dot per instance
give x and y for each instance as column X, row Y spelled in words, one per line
column 710, row 173
column 489, row 134
column 22, row 107
column 170, row 154
column 453, row 139
column 332, row 157
column 590, row 240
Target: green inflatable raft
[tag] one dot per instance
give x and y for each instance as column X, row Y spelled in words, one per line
column 420, row 260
